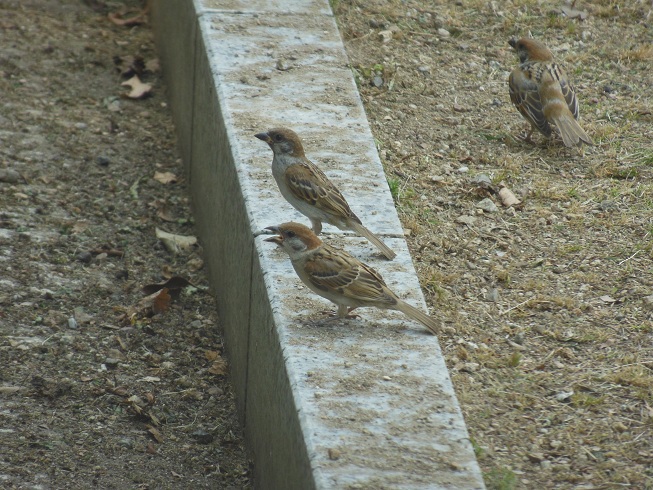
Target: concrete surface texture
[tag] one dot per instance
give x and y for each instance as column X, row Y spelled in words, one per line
column 366, row 403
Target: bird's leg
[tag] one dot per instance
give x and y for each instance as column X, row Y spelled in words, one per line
column 528, row 138
column 343, row 313
column 346, row 312
column 317, row 225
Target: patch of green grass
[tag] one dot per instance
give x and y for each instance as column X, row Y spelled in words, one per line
column 585, row 400
column 394, row 185
column 478, row 450
column 500, row 479
column 514, row 359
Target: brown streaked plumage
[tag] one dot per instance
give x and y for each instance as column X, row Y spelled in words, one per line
column 337, row 276
column 542, row 93
column 309, row 190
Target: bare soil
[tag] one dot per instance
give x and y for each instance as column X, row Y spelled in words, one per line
column 550, row 301
column 96, row 390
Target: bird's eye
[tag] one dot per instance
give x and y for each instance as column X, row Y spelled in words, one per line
column 278, row 137
column 290, row 234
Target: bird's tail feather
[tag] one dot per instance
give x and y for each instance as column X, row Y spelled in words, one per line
column 376, row 241
column 571, row 132
column 420, row 316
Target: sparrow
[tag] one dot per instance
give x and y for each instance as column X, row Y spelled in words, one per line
column 310, row 191
column 541, row 91
column 337, row 276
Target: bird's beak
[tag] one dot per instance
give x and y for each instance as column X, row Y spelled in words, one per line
column 274, row 229
column 264, row 137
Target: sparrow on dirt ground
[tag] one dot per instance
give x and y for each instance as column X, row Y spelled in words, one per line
column 541, row 91
column 310, row 191
column 337, row 276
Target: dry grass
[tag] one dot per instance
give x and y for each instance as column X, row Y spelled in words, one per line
column 554, row 369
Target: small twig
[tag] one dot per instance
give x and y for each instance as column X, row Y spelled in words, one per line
column 515, row 307
column 626, row 260
column 589, row 453
column 633, row 364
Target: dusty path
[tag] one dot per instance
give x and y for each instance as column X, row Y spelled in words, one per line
column 89, row 398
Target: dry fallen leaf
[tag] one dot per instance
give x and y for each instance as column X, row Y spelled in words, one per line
column 219, row 367
column 572, row 13
column 175, row 282
column 153, row 65
column 119, row 19
column 138, row 88
column 175, row 243
column 149, row 306
column 165, row 177
column 161, row 301
column 508, row 198
column 211, row 355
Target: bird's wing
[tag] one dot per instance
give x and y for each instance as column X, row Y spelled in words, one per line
column 332, row 270
column 525, row 96
column 308, row 183
column 567, row 90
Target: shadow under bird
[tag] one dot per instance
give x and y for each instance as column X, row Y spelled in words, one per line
column 310, row 191
column 339, row 277
column 543, row 94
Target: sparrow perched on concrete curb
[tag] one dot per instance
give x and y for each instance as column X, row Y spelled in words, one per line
column 539, row 88
column 337, row 276
column 309, row 190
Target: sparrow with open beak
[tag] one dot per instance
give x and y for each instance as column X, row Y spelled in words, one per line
column 309, row 190
column 540, row 90
column 337, row 276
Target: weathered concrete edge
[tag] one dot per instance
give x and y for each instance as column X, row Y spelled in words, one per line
column 286, row 466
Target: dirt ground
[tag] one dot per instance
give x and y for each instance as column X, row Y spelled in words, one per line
column 94, row 390
column 551, row 299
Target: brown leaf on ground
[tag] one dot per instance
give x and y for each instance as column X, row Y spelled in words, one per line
column 508, row 198
column 138, row 88
column 119, row 18
column 165, row 177
column 163, row 210
column 211, row 355
column 155, row 433
column 219, row 367
column 174, row 285
column 572, row 13
column 153, row 65
column 175, row 243
column 149, row 306
column 161, row 301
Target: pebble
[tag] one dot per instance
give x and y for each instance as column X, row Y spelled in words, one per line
column 492, row 295
column 126, row 442
column 111, row 362
column 463, row 169
column 8, row 175
column 385, row 36
column 102, row 161
column 442, row 32
column 202, row 436
column 487, row 205
column 334, row 454
column 72, row 323
column 84, row 257
column 481, row 180
column 535, row 457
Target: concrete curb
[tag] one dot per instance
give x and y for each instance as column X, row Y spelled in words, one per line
column 368, row 404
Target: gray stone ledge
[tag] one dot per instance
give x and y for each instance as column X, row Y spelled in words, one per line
column 362, row 404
